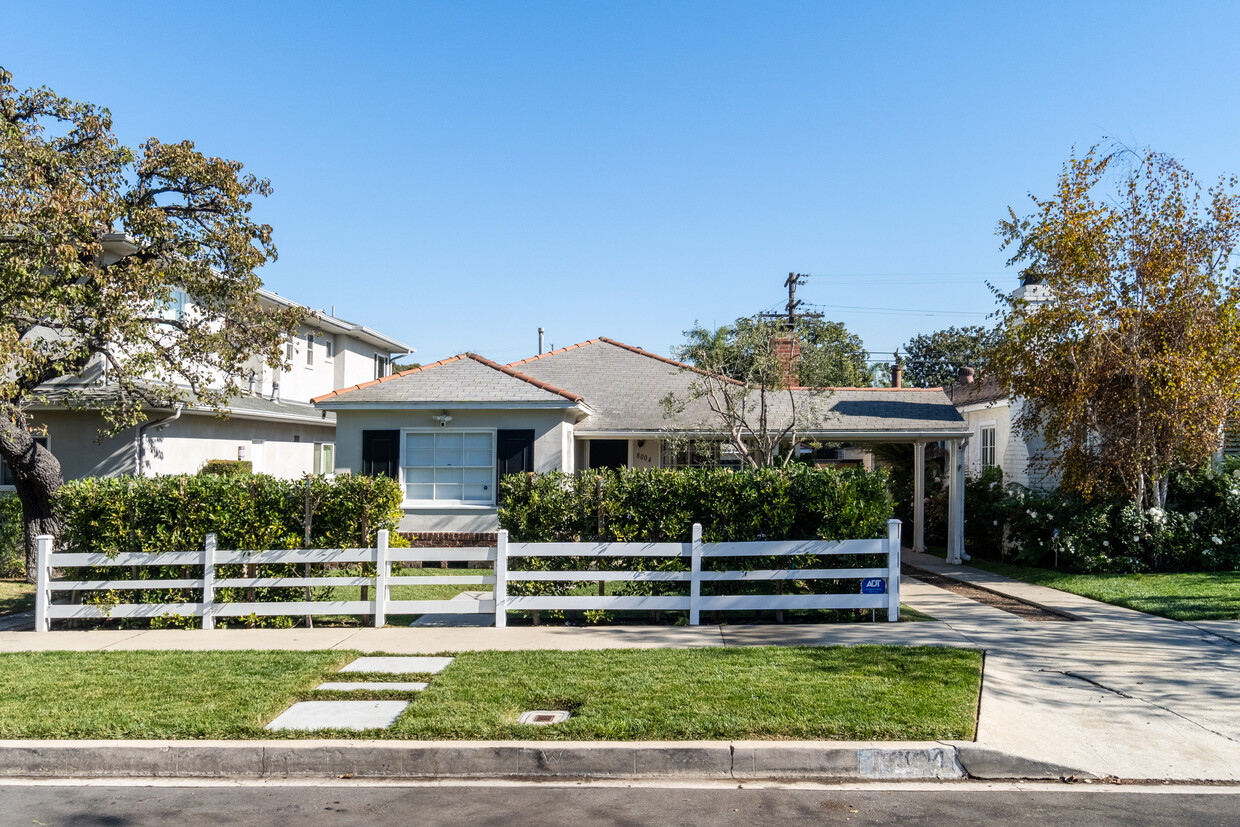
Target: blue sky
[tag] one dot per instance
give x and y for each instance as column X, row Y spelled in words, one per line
column 459, row 174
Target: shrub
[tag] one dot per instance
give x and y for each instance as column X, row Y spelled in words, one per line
column 1199, row 530
column 246, row 512
column 12, row 537
column 661, row 505
column 227, row 467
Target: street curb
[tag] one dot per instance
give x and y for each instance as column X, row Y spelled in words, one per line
column 513, row 759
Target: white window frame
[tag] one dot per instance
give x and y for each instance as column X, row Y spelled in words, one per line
column 320, row 448
column 447, row 504
column 310, row 349
column 381, row 365
column 47, row 443
column 329, row 348
column 994, row 444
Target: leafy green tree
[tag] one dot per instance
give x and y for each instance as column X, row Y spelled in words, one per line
column 181, row 221
column 932, row 360
column 829, row 356
column 1132, row 363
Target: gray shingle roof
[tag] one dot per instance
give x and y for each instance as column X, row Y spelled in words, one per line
column 625, row 386
column 467, row 378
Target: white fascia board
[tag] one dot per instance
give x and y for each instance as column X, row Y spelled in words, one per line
column 372, row 337
column 984, row 406
column 303, row 418
column 452, row 406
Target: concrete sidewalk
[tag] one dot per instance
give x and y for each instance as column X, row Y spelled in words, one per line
column 1118, row 693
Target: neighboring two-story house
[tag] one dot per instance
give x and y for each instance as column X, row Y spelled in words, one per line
column 272, row 425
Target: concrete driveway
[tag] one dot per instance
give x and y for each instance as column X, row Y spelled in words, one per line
column 1117, row 693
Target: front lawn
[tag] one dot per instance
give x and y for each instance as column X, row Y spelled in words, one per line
column 837, row 693
column 1207, row 595
column 16, row 595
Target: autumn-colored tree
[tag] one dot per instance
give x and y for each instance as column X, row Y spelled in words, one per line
column 171, row 219
column 1131, row 364
column 933, row 359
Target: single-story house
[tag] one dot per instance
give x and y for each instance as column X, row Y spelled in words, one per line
column 449, row 430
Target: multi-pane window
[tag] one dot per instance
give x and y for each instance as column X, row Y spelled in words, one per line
column 6, row 475
column 457, row 467
column 988, row 446
column 309, row 349
column 381, row 364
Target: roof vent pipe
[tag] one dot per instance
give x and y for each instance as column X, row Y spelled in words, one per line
column 540, row 341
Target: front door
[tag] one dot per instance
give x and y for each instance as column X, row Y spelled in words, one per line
column 514, row 453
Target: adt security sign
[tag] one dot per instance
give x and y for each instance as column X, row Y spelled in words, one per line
column 874, row 585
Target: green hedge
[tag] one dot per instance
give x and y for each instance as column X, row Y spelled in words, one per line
column 250, row 512
column 661, row 505
column 175, row 513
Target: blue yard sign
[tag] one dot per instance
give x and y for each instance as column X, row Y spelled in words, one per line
column 874, row 585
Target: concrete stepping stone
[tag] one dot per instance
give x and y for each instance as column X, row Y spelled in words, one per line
column 308, row 715
column 372, row 686
column 398, row 666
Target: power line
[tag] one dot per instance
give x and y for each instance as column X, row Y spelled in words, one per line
column 900, row 310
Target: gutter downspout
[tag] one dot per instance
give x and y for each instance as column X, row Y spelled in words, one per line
column 139, row 446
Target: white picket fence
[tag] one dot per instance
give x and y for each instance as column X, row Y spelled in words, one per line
column 880, row 586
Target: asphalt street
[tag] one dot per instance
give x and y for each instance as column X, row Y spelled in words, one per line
column 54, row 804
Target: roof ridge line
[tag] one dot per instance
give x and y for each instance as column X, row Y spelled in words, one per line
column 553, row 352
column 389, row 378
column 516, row 374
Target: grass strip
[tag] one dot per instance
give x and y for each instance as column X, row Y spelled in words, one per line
column 1203, row 595
column 835, row 693
column 832, row 693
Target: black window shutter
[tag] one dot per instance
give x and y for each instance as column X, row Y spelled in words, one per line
column 514, row 453
column 381, row 453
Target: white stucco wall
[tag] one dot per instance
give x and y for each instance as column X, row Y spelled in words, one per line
column 280, row 449
column 182, row 447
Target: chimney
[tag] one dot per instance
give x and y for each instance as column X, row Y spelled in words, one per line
column 787, row 351
column 964, row 376
column 897, row 374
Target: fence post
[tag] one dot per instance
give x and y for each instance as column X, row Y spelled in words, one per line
column 695, row 576
column 893, row 570
column 43, row 577
column 381, row 578
column 208, row 582
column 501, row 579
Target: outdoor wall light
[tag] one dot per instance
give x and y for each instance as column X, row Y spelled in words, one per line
column 443, row 420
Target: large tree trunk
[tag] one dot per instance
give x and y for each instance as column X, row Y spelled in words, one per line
column 36, row 476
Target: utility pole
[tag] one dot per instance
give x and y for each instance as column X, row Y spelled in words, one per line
column 790, row 309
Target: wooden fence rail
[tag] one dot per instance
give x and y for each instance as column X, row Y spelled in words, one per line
column 879, row 586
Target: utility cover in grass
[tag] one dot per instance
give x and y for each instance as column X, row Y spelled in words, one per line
column 308, row 715
column 398, row 666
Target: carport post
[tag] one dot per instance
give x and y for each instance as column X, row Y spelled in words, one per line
column 919, row 496
column 955, row 502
